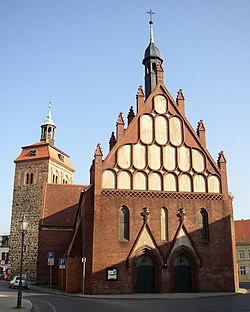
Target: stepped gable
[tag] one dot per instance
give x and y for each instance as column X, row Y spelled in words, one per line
column 160, row 140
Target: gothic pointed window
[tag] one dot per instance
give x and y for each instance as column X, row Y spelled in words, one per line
column 31, row 178
column 124, row 223
column 27, row 178
column 164, row 223
column 204, row 230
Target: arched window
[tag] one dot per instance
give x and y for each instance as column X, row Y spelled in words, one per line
column 164, row 223
column 27, row 178
column 31, row 178
column 204, row 231
column 55, row 177
column 124, row 223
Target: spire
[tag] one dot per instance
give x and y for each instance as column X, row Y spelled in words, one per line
column 49, row 120
column 151, row 26
column 151, row 59
column 48, row 128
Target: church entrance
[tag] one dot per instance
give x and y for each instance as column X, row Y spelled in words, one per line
column 182, row 274
column 145, row 274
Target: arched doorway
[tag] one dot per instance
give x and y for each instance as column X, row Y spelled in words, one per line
column 145, row 274
column 182, row 274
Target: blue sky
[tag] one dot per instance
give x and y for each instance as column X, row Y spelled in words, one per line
column 85, row 57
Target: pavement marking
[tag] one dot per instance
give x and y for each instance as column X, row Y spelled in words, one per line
column 51, row 305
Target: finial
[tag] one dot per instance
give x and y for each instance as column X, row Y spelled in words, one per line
column 221, row 158
column 145, row 214
column 98, row 150
column 181, row 214
column 151, row 26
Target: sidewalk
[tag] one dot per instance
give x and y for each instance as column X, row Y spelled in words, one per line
column 140, row 296
column 9, row 303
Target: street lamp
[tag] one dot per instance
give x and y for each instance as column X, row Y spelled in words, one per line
column 23, row 224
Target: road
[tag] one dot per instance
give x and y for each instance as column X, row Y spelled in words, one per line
column 47, row 302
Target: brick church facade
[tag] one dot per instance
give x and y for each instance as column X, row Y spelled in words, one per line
column 156, row 216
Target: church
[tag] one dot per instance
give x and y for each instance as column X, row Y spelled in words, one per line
column 156, row 216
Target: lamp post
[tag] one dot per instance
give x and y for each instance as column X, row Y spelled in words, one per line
column 23, row 224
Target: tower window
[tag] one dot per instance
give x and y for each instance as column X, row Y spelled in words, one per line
column 124, row 223
column 29, row 178
column 61, row 157
column 33, row 152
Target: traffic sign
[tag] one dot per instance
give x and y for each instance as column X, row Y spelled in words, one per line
column 51, row 255
column 62, row 263
column 51, row 258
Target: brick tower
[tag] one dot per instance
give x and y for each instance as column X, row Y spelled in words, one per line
column 38, row 164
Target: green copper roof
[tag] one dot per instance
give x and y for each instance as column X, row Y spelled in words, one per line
column 49, row 120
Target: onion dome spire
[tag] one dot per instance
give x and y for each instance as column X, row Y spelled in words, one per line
column 48, row 128
column 151, row 59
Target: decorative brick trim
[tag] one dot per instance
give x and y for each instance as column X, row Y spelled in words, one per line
column 136, row 194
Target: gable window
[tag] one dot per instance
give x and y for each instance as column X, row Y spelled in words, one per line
column 124, row 223
column 204, row 231
column 241, row 254
column 164, row 223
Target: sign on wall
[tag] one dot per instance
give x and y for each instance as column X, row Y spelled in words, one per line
column 112, row 274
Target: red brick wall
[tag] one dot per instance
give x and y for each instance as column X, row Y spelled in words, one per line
column 216, row 271
column 56, row 226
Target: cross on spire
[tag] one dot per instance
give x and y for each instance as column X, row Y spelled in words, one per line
column 151, row 13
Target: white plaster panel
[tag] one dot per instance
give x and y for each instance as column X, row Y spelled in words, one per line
column 199, row 183
column 139, row 156
column 154, row 182
column 182, row 240
column 169, row 157
column 154, row 156
column 146, row 129
column 184, row 158
column 164, row 221
column 185, row 183
column 175, row 128
column 170, row 182
column 214, row 184
column 124, row 156
column 161, row 129
column 124, row 180
column 140, row 181
column 109, row 179
column 160, row 104
column 198, row 160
